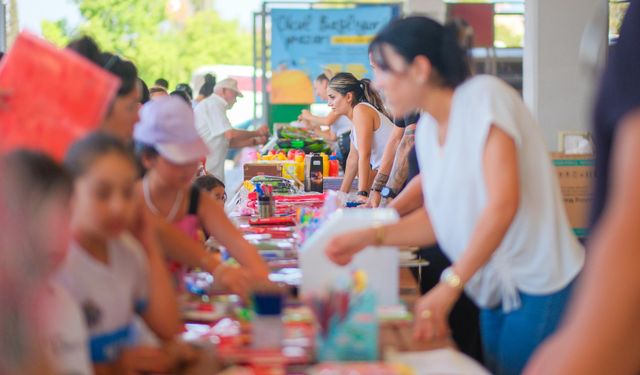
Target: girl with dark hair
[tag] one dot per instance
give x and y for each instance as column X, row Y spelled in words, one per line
column 488, row 191
column 37, row 192
column 340, row 126
column 114, row 246
column 145, row 94
column 123, row 112
column 171, row 149
column 361, row 104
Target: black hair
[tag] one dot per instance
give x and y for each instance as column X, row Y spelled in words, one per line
column 142, row 151
column 146, row 95
column 345, row 83
column 421, row 36
column 86, row 47
column 182, row 95
column 37, row 175
column 186, row 88
column 83, row 153
column 162, row 83
column 121, row 68
column 155, row 89
column 207, row 182
column 209, row 83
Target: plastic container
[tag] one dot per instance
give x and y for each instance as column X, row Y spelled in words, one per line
column 325, row 164
column 334, row 166
column 265, row 207
column 299, row 160
column 267, row 328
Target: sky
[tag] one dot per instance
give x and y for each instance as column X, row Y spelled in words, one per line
column 32, row 12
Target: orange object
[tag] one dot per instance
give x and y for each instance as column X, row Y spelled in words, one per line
column 55, row 96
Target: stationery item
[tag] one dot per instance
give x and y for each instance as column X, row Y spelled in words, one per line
column 40, row 115
column 267, row 329
column 347, row 325
column 265, row 207
column 272, row 221
column 380, row 264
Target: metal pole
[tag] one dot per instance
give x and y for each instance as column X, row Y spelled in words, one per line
column 3, row 27
column 265, row 99
column 255, row 67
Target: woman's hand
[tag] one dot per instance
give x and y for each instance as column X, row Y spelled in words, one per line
column 374, row 199
column 432, row 313
column 236, row 279
column 344, row 247
column 305, row 115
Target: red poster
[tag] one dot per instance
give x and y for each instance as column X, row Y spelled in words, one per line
column 55, row 96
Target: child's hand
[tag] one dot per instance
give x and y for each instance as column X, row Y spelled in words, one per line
column 142, row 359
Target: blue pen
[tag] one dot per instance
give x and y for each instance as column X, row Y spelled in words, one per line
column 259, row 190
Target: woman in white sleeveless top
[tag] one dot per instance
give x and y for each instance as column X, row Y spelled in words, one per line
column 490, row 196
column 357, row 100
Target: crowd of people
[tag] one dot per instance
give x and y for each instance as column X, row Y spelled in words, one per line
column 104, row 238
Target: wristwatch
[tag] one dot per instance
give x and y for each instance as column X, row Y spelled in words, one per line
column 363, row 193
column 387, row 193
column 451, row 278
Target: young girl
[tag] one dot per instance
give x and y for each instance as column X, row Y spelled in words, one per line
column 211, row 185
column 372, row 128
column 170, row 149
column 114, row 273
column 36, row 193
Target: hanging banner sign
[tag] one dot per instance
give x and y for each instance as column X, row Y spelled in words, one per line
column 308, row 42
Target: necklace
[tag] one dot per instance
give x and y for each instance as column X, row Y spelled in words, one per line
column 147, row 199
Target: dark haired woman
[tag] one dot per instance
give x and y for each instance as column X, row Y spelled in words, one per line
column 489, row 191
column 361, row 104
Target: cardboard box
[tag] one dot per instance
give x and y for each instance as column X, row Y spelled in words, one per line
column 262, row 169
column 575, row 175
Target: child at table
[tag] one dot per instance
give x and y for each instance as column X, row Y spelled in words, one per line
column 170, row 149
column 115, row 273
column 36, row 193
column 212, row 186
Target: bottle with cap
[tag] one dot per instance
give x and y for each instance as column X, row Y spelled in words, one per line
column 325, row 164
column 267, row 328
column 334, row 166
column 299, row 159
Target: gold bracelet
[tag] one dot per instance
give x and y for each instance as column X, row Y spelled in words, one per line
column 378, row 239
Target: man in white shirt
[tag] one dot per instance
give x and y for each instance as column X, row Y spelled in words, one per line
column 215, row 129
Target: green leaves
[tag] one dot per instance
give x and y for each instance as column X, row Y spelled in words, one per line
column 159, row 45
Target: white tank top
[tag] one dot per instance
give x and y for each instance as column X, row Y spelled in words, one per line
column 380, row 138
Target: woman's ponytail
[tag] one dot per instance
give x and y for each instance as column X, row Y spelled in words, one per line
column 421, row 36
column 455, row 62
column 371, row 96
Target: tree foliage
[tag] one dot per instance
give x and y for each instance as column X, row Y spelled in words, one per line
column 160, row 46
